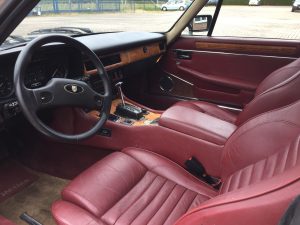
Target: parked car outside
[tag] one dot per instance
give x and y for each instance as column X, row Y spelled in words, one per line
column 296, row 5
column 254, row 2
column 175, row 5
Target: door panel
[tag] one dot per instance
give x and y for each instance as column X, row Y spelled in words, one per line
column 220, row 70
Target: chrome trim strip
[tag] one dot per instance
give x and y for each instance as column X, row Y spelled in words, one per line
column 170, row 74
column 230, row 108
column 237, row 54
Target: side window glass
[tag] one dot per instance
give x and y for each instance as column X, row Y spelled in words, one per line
column 250, row 18
column 260, row 19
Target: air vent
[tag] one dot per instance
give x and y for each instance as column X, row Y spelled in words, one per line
column 162, row 46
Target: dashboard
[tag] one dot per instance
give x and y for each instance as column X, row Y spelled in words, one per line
column 116, row 51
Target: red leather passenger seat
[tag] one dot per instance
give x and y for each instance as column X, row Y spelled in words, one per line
column 278, row 89
column 260, row 176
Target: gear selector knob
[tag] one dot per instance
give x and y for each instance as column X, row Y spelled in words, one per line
column 119, row 86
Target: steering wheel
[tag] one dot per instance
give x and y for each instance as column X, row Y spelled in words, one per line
column 61, row 91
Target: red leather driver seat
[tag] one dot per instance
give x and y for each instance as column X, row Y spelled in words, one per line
column 260, row 176
column 278, row 89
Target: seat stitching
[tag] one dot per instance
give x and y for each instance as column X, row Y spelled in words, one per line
column 251, row 174
column 126, row 194
column 136, row 199
column 178, row 166
column 192, row 202
column 277, row 71
column 167, row 196
column 175, row 205
column 297, row 151
column 146, row 206
column 264, row 123
column 163, row 202
column 274, row 165
column 283, row 83
column 285, row 158
column 264, row 113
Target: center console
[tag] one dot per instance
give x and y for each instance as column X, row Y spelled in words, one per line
column 129, row 113
column 147, row 117
column 179, row 133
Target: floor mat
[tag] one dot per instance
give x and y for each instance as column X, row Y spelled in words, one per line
column 35, row 199
column 14, row 178
column 59, row 159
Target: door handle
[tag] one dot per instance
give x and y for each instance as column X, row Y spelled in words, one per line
column 183, row 55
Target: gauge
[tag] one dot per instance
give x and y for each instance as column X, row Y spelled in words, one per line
column 36, row 77
column 60, row 71
column 6, row 86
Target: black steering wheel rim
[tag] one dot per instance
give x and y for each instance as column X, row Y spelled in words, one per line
column 29, row 99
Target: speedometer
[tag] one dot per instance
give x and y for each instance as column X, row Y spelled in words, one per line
column 60, row 71
column 6, row 86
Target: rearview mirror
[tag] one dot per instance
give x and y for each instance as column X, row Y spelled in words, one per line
column 200, row 23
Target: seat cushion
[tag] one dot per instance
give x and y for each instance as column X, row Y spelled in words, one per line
column 131, row 187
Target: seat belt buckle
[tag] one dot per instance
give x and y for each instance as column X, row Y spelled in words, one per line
column 197, row 169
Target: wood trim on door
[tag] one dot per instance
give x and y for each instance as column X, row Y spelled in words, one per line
column 247, row 48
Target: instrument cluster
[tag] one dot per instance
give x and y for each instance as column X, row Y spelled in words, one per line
column 40, row 72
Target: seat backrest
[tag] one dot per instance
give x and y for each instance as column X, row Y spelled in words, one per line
column 261, row 148
column 260, row 172
column 280, row 88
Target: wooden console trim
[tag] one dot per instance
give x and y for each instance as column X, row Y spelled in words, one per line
column 248, row 48
column 146, row 121
column 131, row 56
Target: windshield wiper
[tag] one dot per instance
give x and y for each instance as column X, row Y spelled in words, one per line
column 63, row 30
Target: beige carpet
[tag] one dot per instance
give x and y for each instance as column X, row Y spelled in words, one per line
column 36, row 200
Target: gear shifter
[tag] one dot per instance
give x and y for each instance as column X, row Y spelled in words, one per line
column 127, row 110
column 119, row 86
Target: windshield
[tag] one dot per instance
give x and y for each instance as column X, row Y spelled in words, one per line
column 80, row 17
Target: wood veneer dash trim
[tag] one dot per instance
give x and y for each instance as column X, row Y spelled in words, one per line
column 133, row 55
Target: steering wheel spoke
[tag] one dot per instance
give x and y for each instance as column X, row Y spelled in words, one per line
column 66, row 92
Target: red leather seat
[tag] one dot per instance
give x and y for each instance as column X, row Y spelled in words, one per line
column 260, row 176
column 4, row 221
column 280, row 88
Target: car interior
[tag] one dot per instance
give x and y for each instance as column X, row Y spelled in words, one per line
column 147, row 128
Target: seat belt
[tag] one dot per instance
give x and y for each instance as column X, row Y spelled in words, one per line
column 292, row 214
column 197, row 169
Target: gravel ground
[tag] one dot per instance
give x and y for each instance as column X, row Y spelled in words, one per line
column 243, row 21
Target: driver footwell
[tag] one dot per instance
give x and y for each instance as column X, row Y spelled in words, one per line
column 34, row 196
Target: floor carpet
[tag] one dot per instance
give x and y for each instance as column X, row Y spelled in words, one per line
column 35, row 199
column 14, row 177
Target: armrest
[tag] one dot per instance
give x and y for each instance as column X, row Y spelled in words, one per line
column 192, row 122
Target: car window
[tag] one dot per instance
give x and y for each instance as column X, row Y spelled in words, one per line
column 258, row 19
column 79, row 17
